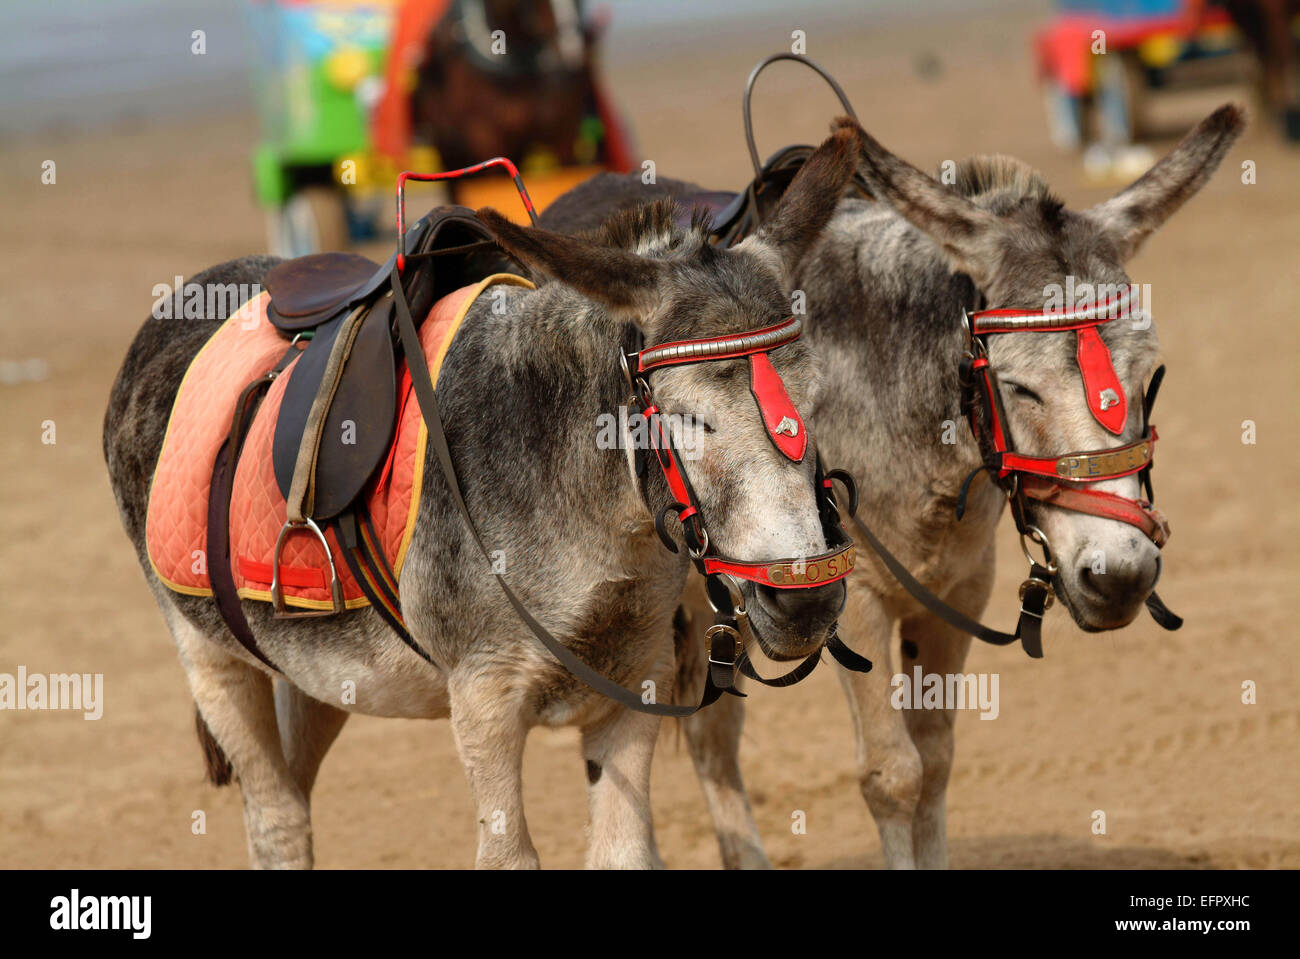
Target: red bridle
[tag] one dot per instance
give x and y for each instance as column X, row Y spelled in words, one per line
column 785, row 428
column 1051, row 479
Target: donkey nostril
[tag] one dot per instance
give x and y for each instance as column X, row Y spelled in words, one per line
column 1121, row 584
column 1089, row 579
column 816, row 607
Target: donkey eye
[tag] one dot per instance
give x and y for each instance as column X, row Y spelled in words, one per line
column 1024, row 392
column 694, row 423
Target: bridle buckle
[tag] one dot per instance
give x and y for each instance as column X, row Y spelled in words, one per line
column 724, row 632
column 1034, row 582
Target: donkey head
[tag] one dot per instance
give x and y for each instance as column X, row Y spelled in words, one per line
column 644, row 268
column 1023, row 250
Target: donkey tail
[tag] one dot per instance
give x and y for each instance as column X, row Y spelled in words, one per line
column 220, row 772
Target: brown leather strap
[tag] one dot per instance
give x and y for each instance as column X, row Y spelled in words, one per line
column 220, row 574
column 1098, row 503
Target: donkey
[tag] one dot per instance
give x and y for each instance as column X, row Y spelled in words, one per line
column 890, row 284
column 521, row 391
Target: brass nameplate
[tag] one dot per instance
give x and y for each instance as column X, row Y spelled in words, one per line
column 796, row 573
column 1110, row 463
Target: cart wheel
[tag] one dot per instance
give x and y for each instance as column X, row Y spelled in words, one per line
column 1064, row 116
column 314, row 220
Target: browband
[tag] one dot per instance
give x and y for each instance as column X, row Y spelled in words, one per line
column 1019, row 321
column 721, row 347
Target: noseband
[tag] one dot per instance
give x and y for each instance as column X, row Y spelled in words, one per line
column 785, row 428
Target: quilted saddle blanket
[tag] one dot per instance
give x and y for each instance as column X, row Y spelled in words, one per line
column 244, row 348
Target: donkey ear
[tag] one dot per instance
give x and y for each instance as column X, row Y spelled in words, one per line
column 811, row 198
column 1135, row 213
column 618, row 279
column 967, row 235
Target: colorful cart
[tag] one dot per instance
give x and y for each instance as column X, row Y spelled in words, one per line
column 1101, row 58
column 318, row 71
column 335, row 82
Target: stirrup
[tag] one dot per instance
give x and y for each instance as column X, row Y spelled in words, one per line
column 277, row 589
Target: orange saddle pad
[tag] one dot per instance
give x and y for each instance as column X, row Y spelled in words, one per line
column 244, row 348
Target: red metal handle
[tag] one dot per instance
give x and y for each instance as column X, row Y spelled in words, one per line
column 452, row 175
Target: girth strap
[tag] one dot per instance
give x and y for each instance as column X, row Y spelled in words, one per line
column 220, row 574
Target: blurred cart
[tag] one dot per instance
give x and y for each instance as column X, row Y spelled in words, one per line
column 351, row 92
column 469, row 79
column 318, row 69
column 1100, row 59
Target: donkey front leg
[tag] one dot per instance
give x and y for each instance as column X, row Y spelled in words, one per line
column 889, row 765
column 237, row 704
column 490, row 732
column 619, row 749
column 713, row 738
column 939, row 648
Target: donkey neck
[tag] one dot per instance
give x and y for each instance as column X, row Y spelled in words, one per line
column 525, row 387
column 887, row 317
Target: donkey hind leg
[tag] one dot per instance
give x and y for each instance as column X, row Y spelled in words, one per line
column 713, row 738
column 236, row 703
column 889, row 765
column 308, row 727
column 939, row 649
column 619, row 749
column 490, row 731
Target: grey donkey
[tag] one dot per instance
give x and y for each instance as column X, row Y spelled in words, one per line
column 887, row 286
column 522, row 392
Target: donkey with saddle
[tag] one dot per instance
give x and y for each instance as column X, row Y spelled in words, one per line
column 378, row 490
column 930, row 306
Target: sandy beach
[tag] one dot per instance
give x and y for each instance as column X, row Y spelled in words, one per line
column 1147, row 725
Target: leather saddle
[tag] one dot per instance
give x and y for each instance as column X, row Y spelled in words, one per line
column 339, row 410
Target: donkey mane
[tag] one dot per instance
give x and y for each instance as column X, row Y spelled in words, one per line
column 1007, row 179
column 654, row 229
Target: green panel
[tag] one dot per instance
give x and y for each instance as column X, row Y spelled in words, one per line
column 270, row 180
column 322, row 122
